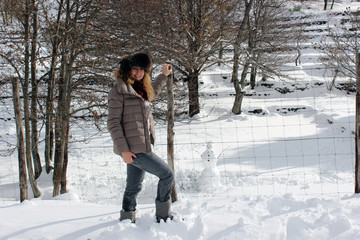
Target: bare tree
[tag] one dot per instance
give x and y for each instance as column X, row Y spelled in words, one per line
column 184, row 32
column 54, row 38
column 70, row 49
column 28, row 9
column 268, row 36
column 17, row 53
column 239, row 85
column 189, row 34
column 342, row 55
column 34, row 92
column 80, row 40
column 342, row 45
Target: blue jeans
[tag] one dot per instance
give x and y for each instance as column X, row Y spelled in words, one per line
column 147, row 162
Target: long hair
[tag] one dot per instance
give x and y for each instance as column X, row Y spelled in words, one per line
column 124, row 72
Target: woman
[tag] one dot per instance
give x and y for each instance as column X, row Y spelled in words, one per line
column 131, row 126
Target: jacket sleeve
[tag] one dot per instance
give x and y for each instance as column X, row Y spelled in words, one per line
column 114, row 122
column 158, row 83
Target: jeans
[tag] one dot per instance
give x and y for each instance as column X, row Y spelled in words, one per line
column 146, row 162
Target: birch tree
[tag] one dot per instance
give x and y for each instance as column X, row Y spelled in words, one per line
column 34, row 91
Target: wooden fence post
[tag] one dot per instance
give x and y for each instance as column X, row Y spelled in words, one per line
column 170, row 130
column 20, row 140
column 357, row 125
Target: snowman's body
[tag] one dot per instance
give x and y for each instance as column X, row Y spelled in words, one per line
column 210, row 176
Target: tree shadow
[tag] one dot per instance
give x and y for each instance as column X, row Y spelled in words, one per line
column 73, row 235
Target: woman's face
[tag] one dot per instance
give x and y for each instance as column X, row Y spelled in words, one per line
column 137, row 73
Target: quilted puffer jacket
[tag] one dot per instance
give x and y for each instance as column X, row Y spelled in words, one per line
column 130, row 121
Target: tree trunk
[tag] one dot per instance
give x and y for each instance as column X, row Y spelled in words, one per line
column 34, row 97
column 239, row 85
column 60, row 135
column 20, row 141
column 49, row 121
column 63, row 188
column 253, row 77
column 62, row 129
column 49, row 133
column 63, row 109
column 32, row 180
column 332, row 4
column 239, row 38
column 61, row 159
column 221, row 47
column 60, row 143
column 251, row 47
column 170, row 131
column 332, row 84
column 239, row 93
column 235, row 75
column 221, row 53
column 297, row 59
column 325, row 4
column 357, row 127
column 58, row 163
column 193, row 85
column 237, row 103
column 62, row 126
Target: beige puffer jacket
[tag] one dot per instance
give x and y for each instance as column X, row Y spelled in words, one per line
column 128, row 122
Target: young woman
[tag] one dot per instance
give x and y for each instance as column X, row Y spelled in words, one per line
column 131, row 126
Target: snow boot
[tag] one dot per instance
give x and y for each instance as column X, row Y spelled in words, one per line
column 163, row 210
column 127, row 215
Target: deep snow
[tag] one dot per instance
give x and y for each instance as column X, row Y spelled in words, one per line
column 287, row 173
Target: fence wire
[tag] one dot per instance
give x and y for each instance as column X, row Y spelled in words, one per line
column 299, row 141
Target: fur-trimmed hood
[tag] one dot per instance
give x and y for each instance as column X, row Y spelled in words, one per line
column 124, row 88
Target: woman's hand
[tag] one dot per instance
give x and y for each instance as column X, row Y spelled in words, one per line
column 166, row 69
column 128, row 157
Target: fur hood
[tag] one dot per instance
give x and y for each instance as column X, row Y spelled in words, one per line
column 124, row 88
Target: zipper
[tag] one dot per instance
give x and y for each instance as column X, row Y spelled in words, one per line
column 146, row 125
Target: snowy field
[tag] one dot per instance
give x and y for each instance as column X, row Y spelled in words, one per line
column 285, row 172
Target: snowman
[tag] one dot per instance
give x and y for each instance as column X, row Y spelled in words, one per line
column 210, row 176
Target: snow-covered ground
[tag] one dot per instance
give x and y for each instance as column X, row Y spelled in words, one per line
column 285, row 173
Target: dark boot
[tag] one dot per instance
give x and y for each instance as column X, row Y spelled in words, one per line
column 127, row 215
column 163, row 210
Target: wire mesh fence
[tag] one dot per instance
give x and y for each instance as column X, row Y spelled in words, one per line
column 292, row 137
